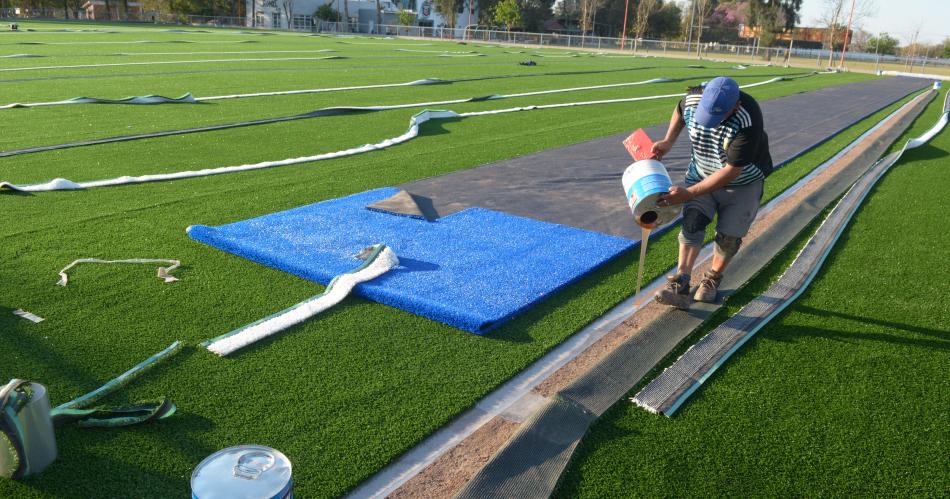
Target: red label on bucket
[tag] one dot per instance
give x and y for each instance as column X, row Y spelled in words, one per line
column 639, row 145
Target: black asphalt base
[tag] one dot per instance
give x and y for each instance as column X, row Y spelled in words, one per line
column 579, row 185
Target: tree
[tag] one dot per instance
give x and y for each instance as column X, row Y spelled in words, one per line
column 834, row 19
column 945, row 53
column 884, row 44
column 507, row 13
column 326, row 12
column 665, row 23
column 407, row 17
column 772, row 17
column 288, row 6
column 645, row 9
column 449, row 10
column 379, row 15
column 534, row 13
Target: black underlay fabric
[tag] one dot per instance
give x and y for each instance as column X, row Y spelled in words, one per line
column 579, row 185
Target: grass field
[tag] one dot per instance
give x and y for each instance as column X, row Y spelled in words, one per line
column 342, row 395
column 845, row 393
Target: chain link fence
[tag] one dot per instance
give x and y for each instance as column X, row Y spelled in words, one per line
column 737, row 53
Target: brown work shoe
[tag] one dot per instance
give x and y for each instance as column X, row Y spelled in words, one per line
column 675, row 293
column 708, row 287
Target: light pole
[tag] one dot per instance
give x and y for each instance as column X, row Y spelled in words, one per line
column 877, row 53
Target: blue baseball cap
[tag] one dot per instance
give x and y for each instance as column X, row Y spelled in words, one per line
column 719, row 98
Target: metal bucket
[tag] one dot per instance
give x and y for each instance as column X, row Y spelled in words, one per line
column 243, row 472
column 31, row 433
column 644, row 182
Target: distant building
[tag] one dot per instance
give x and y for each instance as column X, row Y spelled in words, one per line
column 298, row 14
column 97, row 10
column 813, row 38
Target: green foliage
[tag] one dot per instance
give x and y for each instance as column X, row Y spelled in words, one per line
column 407, row 17
column 327, row 13
column 884, row 44
column 507, row 14
column 534, row 13
column 449, row 10
column 773, row 16
column 664, row 24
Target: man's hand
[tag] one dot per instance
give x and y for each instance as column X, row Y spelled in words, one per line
column 677, row 195
column 660, row 148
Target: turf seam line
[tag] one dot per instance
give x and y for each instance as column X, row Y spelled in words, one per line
column 157, row 63
column 411, row 133
column 618, row 372
column 499, row 400
column 668, row 391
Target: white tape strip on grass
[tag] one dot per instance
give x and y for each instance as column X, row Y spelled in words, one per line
column 380, row 260
column 668, row 391
column 164, row 273
column 321, row 51
column 61, row 184
column 157, row 63
column 130, row 42
column 28, row 316
column 425, row 81
column 188, row 98
column 437, row 51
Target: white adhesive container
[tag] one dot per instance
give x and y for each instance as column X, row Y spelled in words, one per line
column 243, row 472
column 644, row 182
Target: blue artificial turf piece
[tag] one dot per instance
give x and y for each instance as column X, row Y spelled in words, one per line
column 473, row 270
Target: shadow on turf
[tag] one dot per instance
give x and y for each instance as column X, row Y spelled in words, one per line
column 22, row 336
column 940, row 335
column 77, row 461
column 923, row 153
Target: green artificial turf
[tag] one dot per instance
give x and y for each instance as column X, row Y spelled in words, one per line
column 342, row 395
column 844, row 394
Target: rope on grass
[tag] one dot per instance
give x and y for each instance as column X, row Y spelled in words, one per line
column 379, row 259
column 668, row 391
column 413, row 131
column 164, row 273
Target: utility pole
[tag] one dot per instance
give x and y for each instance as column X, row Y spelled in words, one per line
column 847, row 37
column 623, row 36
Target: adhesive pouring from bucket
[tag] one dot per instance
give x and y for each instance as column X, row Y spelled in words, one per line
column 644, row 182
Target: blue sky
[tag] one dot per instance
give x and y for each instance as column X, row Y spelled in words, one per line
column 898, row 17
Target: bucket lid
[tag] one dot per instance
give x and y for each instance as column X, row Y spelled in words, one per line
column 242, row 472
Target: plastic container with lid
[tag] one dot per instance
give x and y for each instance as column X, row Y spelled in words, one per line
column 243, row 472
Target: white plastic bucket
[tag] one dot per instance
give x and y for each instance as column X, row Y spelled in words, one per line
column 243, row 472
column 937, row 85
column 644, row 182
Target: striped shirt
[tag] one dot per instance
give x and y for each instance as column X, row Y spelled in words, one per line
column 740, row 140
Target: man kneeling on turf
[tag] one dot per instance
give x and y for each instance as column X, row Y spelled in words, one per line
column 730, row 159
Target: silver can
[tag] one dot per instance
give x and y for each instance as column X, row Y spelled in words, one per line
column 243, row 472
